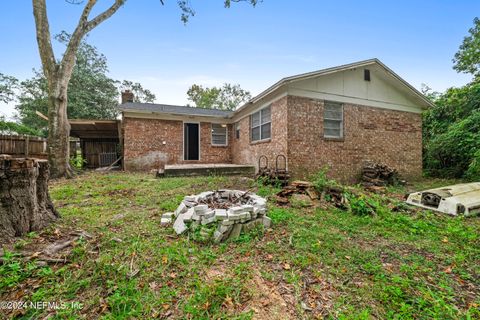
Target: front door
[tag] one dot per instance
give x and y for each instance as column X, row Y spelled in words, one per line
column 191, row 149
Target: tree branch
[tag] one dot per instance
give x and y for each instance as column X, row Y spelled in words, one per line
column 83, row 27
column 43, row 38
column 104, row 15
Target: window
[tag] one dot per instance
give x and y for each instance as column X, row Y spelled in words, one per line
column 219, row 134
column 261, row 125
column 237, row 130
column 333, row 120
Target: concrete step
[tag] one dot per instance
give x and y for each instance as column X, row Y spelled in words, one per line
column 206, row 170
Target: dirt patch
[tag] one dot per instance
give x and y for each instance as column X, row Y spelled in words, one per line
column 267, row 302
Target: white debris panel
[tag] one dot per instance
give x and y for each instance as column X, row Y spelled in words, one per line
column 459, row 199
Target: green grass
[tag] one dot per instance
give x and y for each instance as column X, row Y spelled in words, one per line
column 342, row 265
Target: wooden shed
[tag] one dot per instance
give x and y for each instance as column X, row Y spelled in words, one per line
column 100, row 141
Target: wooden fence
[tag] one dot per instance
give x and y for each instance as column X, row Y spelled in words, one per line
column 23, row 146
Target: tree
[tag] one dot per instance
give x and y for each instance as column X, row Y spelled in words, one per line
column 10, row 127
column 140, row 94
column 227, row 97
column 467, row 59
column 91, row 94
column 7, row 86
column 58, row 73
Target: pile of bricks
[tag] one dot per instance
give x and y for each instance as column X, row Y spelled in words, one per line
column 219, row 215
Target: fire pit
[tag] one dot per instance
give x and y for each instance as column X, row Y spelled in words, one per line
column 218, row 215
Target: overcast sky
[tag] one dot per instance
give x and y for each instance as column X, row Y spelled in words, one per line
column 254, row 47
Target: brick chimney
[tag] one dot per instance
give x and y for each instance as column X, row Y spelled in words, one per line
column 127, row 96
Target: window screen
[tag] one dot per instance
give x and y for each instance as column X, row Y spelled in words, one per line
column 333, row 120
column 261, row 124
column 219, row 134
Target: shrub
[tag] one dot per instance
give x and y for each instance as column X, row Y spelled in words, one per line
column 362, row 205
column 321, row 181
column 77, row 161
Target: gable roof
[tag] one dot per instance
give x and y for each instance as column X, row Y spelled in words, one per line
column 321, row 72
column 194, row 111
column 173, row 109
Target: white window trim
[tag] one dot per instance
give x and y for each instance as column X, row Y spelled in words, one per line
column 226, row 135
column 339, row 120
column 260, row 125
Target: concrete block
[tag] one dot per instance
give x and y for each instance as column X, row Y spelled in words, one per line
column 235, row 210
column 209, row 214
column 196, row 217
column 217, row 236
column 221, row 214
column 190, row 198
column 233, row 216
column 165, row 221
column 247, row 207
column 181, row 209
column 208, row 220
column 205, row 194
column 224, row 229
column 187, row 216
column 201, row 208
column 189, row 204
column 179, row 226
column 267, row 222
column 248, row 226
column 228, row 222
column 236, row 230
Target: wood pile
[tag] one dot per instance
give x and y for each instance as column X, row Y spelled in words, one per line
column 380, row 175
column 331, row 194
column 296, row 187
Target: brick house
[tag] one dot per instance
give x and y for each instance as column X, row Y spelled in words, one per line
column 340, row 117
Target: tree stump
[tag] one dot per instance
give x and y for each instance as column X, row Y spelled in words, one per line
column 25, row 203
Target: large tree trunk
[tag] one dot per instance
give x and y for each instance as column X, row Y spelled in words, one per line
column 25, row 203
column 58, row 132
column 58, row 75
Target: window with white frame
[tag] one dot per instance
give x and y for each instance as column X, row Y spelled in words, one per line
column 219, row 134
column 261, row 124
column 333, row 120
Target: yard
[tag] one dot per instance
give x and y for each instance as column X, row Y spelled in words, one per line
column 312, row 263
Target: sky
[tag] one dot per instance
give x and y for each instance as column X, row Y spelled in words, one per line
column 146, row 41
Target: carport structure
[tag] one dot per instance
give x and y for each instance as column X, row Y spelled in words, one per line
column 100, row 141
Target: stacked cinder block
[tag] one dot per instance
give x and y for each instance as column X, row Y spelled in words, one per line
column 227, row 212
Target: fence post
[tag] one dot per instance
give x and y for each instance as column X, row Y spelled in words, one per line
column 27, row 145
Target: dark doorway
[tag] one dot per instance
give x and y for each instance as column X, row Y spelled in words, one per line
column 190, row 141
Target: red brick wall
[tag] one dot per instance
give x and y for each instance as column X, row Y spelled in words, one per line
column 370, row 134
column 246, row 152
column 380, row 135
column 144, row 148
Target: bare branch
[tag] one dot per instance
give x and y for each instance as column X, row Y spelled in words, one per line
column 43, row 38
column 105, row 15
column 83, row 27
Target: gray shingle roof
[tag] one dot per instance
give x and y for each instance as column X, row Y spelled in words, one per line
column 166, row 108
